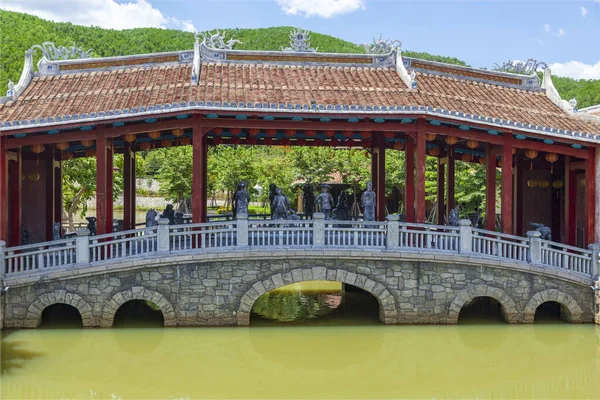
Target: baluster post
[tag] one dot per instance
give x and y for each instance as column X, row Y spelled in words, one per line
column 82, row 246
column 318, row 230
column 242, row 230
column 393, row 231
column 162, row 236
column 2, row 259
column 535, row 247
column 595, row 270
column 466, row 236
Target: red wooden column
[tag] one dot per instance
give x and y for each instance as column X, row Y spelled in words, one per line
column 3, row 190
column 450, row 180
column 128, row 186
column 375, row 169
column 597, row 206
column 440, row 192
column 490, row 190
column 15, row 193
column 590, row 195
column 58, row 198
column 50, row 165
column 421, row 158
column 410, row 179
column 104, row 180
column 570, row 203
column 507, row 186
column 378, row 167
column 199, row 176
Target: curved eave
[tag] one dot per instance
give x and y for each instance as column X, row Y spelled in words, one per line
column 289, row 109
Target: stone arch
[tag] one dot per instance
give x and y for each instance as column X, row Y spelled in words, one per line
column 34, row 312
column 387, row 304
column 574, row 312
column 137, row 293
column 466, row 295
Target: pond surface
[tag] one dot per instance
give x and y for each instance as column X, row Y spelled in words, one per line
column 333, row 350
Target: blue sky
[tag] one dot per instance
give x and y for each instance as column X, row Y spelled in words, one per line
column 565, row 34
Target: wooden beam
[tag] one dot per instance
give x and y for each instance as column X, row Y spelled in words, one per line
column 578, row 165
column 551, row 148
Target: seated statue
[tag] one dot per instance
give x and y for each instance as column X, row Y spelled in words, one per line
column 545, row 232
column 151, row 218
column 453, row 218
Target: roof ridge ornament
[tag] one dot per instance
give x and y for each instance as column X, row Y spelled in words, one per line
column 570, row 107
column 528, row 67
column 53, row 53
column 215, row 40
column 300, row 41
column 382, row 46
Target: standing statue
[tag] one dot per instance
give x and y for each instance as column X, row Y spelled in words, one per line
column 453, row 219
column 308, row 200
column 241, row 199
column 280, row 205
column 545, row 232
column 368, row 200
column 272, row 190
column 56, row 231
column 341, row 209
column 151, row 218
column 325, row 201
column 91, row 226
column 169, row 213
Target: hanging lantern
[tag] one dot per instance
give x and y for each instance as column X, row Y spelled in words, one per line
column 482, row 160
column 253, row 131
column 434, row 151
column 466, row 157
column 544, row 183
column 271, row 132
column 166, row 143
column 430, row 136
column 532, row 183
column 217, row 131
column 37, row 148
column 145, row 146
column 514, row 151
column 217, row 140
column 177, row 132
column 348, row 134
column 365, row 134
column 399, row 146
column 62, row 146
column 87, row 143
column 290, row 132
column 551, row 158
column 531, row 154
column 500, row 163
column 67, row 156
column 310, row 133
column 557, row 184
column 154, row 134
column 90, row 153
column 235, row 131
column 451, row 140
column 472, row 144
column 388, row 135
column 129, row 138
column 184, row 141
column 329, row 134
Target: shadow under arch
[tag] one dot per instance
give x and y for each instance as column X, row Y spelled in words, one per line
column 570, row 309
column 34, row 312
column 509, row 310
column 137, row 293
column 387, row 304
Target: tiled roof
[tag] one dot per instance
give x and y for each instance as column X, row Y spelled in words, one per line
column 83, row 94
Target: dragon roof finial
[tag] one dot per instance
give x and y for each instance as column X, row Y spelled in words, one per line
column 382, row 46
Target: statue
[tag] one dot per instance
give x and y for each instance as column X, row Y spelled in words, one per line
column 308, row 200
column 169, row 213
column 280, row 205
column 545, row 232
column 24, row 236
column 151, row 218
column 56, row 231
column 272, row 190
column 178, row 218
column 341, row 209
column 241, row 199
column 91, row 226
column 368, row 202
column 453, row 219
column 325, row 201
column 476, row 220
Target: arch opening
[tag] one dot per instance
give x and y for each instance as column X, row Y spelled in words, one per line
column 316, row 303
column 551, row 312
column 61, row 315
column 138, row 313
column 482, row 310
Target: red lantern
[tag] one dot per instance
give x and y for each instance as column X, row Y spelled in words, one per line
column 271, row 132
column 531, row 154
column 466, row 157
column 434, row 151
column 329, row 134
column 129, row 138
column 146, row 145
column 67, row 156
column 235, row 131
column 154, row 134
column 472, row 144
column 184, row 141
column 62, row 146
column 318, row 142
column 290, row 132
column 481, row 160
column 253, row 131
column 37, row 148
column 365, row 134
column 350, row 143
column 310, row 133
column 430, row 136
column 166, row 143
column 399, row 146
column 177, row 132
column 217, row 131
column 389, row 135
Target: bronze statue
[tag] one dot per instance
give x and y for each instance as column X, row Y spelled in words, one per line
column 453, row 218
column 325, row 201
column 545, row 232
column 368, row 202
column 151, row 218
column 241, row 199
column 169, row 213
column 308, row 200
column 341, row 209
column 272, row 189
column 280, row 205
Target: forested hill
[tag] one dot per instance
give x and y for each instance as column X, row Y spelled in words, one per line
column 18, row 32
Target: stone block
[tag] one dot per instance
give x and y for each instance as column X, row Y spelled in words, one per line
column 319, row 273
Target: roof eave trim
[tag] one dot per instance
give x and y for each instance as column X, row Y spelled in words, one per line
column 26, row 77
column 590, row 109
column 407, row 78
column 567, row 106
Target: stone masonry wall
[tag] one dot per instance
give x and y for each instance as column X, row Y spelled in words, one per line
column 220, row 293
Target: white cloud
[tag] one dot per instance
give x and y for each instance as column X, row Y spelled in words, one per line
column 547, row 28
column 576, row 70
column 561, row 32
column 110, row 14
column 320, row 8
column 584, row 11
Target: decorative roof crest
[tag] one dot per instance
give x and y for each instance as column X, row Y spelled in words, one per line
column 529, row 67
column 216, row 40
column 300, row 41
column 382, row 46
column 53, row 53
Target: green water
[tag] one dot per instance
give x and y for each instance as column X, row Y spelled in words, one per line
column 339, row 352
